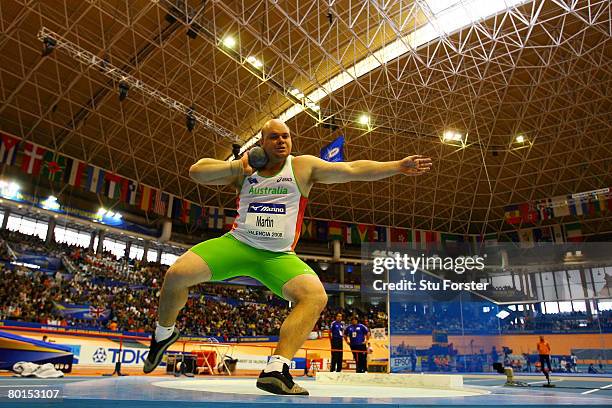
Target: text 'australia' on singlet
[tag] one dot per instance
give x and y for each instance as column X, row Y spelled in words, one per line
column 270, row 211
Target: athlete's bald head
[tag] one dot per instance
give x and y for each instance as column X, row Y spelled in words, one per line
column 274, row 126
column 276, row 140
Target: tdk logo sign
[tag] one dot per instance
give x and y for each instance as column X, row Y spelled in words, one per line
column 280, row 179
column 265, row 208
column 128, row 356
column 252, row 180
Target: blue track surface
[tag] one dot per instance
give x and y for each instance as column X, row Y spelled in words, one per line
column 137, row 391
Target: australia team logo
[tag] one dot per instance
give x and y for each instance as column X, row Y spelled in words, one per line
column 99, row 356
column 252, row 180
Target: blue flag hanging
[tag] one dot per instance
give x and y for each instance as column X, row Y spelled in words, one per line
column 334, row 152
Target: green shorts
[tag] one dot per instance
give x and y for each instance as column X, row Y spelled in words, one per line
column 228, row 258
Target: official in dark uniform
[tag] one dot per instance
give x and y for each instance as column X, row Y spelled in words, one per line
column 357, row 335
column 336, row 336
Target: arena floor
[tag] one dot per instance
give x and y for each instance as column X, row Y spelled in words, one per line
column 141, row 391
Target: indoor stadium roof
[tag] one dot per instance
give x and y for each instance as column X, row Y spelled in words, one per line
column 540, row 69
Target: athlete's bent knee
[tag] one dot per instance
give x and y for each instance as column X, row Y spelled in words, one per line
column 318, row 300
column 175, row 277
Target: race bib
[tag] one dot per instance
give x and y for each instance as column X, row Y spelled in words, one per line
column 266, row 220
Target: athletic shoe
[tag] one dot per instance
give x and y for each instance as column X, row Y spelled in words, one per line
column 280, row 383
column 157, row 349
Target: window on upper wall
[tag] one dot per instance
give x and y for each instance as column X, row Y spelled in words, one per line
column 26, row 225
column 168, row 258
column 115, row 247
column 575, row 284
column 579, row 306
column 600, row 282
column 72, row 236
column 136, row 252
column 563, row 292
column 152, row 255
column 604, row 305
column 565, row 307
column 551, row 307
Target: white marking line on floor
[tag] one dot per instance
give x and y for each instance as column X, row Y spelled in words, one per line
column 596, row 389
column 24, row 386
column 543, row 382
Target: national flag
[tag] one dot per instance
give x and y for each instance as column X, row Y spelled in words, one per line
column 512, row 215
column 334, row 152
column 573, row 232
column 450, row 239
column 575, row 207
column 419, row 239
column 432, row 239
column 185, row 210
column 526, row 238
column 307, row 231
column 95, row 179
column 215, row 218
column 146, row 198
column 32, row 159
column 558, row 234
column 177, row 209
column 586, row 205
column 130, row 192
column 357, row 233
column 543, row 234
column 96, row 312
column 528, row 212
column 76, row 173
column 54, row 166
column 321, row 230
column 195, row 215
column 377, row 233
column 600, row 203
column 229, row 216
column 8, row 148
column 114, row 185
column 160, row 206
column 170, row 205
column 544, row 208
column 400, row 235
column 560, row 206
column 346, row 233
column 335, row 230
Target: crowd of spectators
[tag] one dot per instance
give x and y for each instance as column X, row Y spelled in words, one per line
column 452, row 317
column 560, row 322
column 474, row 320
column 127, row 291
column 126, row 294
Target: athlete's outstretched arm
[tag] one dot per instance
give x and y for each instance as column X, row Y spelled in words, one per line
column 365, row 170
column 219, row 172
column 215, row 172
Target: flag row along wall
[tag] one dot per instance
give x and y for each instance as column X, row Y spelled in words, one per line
column 586, row 204
column 38, row 161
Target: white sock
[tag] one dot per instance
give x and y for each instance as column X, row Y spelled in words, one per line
column 275, row 363
column 162, row 333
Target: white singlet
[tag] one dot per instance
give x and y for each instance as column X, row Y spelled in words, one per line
column 270, row 211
